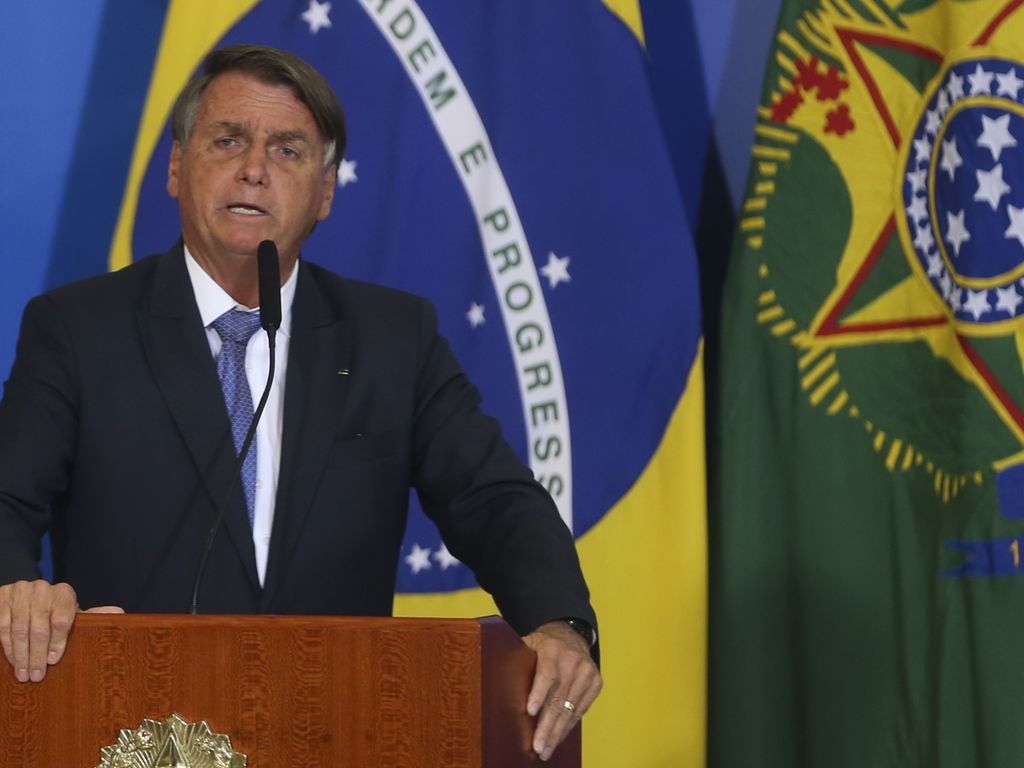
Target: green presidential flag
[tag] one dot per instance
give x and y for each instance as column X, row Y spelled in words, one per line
column 868, row 519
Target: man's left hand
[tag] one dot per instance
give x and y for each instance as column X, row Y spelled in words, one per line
column 564, row 686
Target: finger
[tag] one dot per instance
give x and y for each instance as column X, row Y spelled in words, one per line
column 590, row 694
column 545, row 681
column 105, row 609
column 6, row 595
column 571, row 709
column 549, row 728
column 40, row 631
column 584, row 686
column 565, row 712
column 62, row 618
column 569, row 704
column 20, row 604
column 553, row 715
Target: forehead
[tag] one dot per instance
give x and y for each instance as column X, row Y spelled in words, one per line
column 241, row 98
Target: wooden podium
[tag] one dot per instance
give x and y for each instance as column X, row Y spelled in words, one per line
column 290, row 692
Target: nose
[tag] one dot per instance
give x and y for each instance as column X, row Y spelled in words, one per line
column 252, row 168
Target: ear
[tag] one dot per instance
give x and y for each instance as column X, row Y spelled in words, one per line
column 330, row 184
column 172, row 170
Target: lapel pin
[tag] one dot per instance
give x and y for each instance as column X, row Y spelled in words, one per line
column 343, row 372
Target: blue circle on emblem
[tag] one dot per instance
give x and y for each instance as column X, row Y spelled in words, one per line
column 975, row 193
column 963, row 190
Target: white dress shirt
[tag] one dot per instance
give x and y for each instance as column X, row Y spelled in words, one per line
column 213, row 302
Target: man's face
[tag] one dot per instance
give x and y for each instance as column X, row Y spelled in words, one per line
column 252, row 170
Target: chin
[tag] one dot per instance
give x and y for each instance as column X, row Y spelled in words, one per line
column 246, row 244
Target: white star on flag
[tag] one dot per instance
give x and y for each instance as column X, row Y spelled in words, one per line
column 316, row 16
column 445, row 558
column 956, row 87
column 943, row 102
column 556, row 270
column 951, row 159
column 934, row 265
column 419, row 559
column 991, row 186
column 977, row 303
column 475, row 315
column 932, row 122
column 917, row 210
column 1009, row 84
column 955, row 299
column 995, row 135
column 1007, row 299
column 981, row 81
column 347, row 172
column 1016, row 228
column 945, row 285
column 917, row 179
column 923, row 148
column 956, row 231
column 924, row 240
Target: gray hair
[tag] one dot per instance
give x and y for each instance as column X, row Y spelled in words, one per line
column 272, row 66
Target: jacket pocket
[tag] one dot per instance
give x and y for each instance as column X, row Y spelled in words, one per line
column 365, row 449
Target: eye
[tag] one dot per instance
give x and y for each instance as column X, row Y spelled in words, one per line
column 289, row 152
column 226, row 141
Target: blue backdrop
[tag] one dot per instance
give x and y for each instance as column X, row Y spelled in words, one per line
column 76, row 76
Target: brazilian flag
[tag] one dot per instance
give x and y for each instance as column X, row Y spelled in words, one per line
column 506, row 161
column 870, row 496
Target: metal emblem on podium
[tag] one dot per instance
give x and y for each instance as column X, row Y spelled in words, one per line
column 172, row 743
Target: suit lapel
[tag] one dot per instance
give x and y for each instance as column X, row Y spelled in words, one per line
column 319, row 349
column 179, row 354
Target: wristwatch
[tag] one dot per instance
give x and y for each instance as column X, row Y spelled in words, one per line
column 583, row 629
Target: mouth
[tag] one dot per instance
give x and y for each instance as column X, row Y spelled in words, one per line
column 243, row 209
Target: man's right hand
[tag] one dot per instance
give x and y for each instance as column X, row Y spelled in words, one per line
column 35, row 620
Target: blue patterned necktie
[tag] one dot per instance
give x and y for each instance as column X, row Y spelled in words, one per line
column 235, row 328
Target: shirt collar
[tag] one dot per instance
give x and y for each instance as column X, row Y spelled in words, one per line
column 214, row 301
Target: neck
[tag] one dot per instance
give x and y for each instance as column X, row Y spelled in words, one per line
column 239, row 277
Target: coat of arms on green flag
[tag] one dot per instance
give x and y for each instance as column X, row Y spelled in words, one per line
column 869, row 582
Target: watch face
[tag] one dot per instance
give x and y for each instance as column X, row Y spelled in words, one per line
column 584, row 629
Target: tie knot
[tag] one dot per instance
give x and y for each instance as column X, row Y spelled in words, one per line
column 236, row 326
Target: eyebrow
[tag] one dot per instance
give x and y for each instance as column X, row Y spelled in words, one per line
column 229, row 127
column 290, row 136
column 234, row 128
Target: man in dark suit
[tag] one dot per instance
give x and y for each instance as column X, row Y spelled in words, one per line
column 114, row 434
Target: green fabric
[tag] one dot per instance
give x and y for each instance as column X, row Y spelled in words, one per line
column 838, row 637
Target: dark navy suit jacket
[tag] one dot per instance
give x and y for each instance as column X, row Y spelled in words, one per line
column 115, row 438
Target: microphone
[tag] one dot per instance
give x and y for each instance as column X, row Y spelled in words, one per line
column 269, row 277
column 269, row 270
